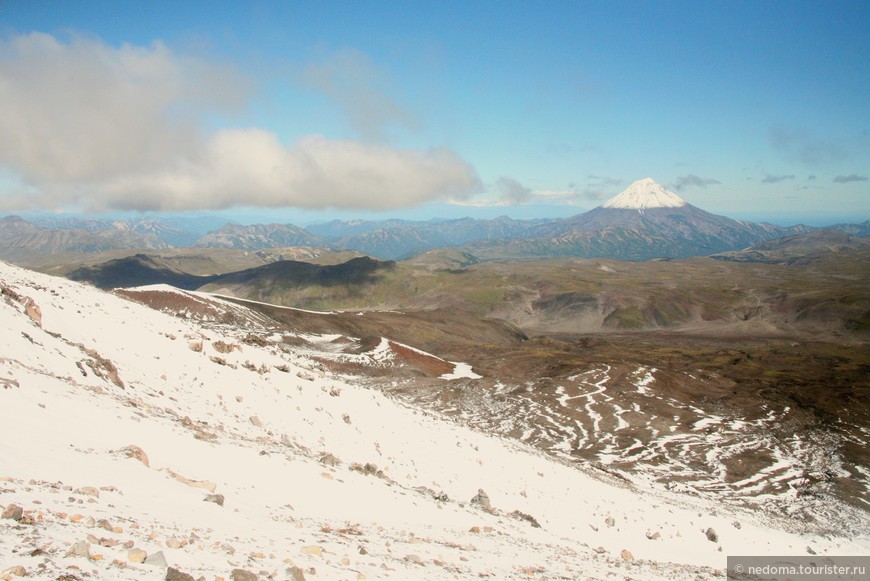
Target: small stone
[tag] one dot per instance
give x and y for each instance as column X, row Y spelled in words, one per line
column 599, row 550
column 416, row 559
column 137, row 556
column 80, row 549
column 736, row 524
column 173, row 543
column 362, row 550
column 76, row 517
column 157, row 559
column 173, row 574
column 653, row 536
column 88, row 491
column 311, row 550
column 243, row 575
column 482, row 499
column 810, row 550
column 255, row 421
column 296, row 574
column 475, row 530
column 626, row 554
column 610, row 521
column 14, row 512
column 218, row 499
column 711, row 535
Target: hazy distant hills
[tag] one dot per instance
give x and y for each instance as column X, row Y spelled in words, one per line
column 798, row 249
column 21, row 240
column 389, row 239
column 258, row 236
column 646, row 221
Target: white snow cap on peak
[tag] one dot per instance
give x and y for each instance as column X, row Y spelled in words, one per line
column 645, row 193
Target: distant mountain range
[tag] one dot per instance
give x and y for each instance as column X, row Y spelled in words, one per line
column 646, row 221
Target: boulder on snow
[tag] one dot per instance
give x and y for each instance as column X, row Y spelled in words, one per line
column 80, row 549
column 14, row 512
column 157, row 559
column 136, row 453
column 482, row 499
column 243, row 575
column 173, row 574
column 218, row 499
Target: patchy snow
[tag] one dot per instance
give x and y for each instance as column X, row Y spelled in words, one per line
column 461, row 371
column 91, row 374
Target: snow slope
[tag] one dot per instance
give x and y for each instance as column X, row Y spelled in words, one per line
column 321, row 478
column 643, row 194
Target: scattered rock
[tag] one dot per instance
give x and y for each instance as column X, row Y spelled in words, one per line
column 416, row 559
column 157, row 559
column 137, row 453
column 526, row 517
column 173, row 574
column 204, row 484
column 810, row 550
column 600, row 550
column 256, row 421
column 174, row 543
column 296, row 574
column 88, row 491
column 243, row 575
column 218, row 499
column 736, row 524
column 610, row 521
column 32, row 310
column 80, row 549
column 653, row 536
column 482, row 499
column 626, row 554
column 14, row 512
column 330, row 459
column 222, row 347
column 711, row 535
column 137, row 556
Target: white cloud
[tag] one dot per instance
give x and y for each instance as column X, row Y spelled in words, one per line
column 252, row 167
column 100, row 127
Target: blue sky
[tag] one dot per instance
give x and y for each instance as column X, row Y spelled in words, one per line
column 312, row 110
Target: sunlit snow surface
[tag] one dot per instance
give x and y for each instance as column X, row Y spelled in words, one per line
column 92, row 373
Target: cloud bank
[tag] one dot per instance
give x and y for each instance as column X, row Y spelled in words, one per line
column 771, row 179
column 693, row 180
column 100, row 127
column 850, row 178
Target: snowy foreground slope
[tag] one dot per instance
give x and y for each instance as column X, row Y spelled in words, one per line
column 121, row 429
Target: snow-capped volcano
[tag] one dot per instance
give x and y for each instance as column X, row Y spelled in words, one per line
column 643, row 194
